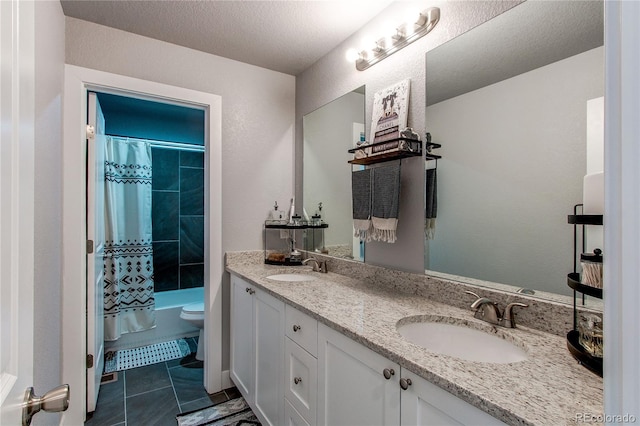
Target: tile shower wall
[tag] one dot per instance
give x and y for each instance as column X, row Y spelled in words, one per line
column 178, row 219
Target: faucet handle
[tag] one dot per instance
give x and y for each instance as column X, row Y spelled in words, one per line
column 508, row 318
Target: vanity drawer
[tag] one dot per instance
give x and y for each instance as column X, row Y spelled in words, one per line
column 301, row 381
column 292, row 417
column 302, row 329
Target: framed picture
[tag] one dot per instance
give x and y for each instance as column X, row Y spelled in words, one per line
column 390, row 110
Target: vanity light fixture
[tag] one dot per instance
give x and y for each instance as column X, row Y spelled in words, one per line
column 402, row 36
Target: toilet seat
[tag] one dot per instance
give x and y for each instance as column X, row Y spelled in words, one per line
column 194, row 308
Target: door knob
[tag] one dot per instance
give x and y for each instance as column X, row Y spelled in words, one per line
column 53, row 401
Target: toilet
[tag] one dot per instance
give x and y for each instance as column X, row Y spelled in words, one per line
column 194, row 313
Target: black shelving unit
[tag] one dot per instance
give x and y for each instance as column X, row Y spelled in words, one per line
column 282, row 246
column 581, row 290
column 390, row 150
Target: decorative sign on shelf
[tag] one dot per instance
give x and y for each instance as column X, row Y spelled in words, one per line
column 390, row 110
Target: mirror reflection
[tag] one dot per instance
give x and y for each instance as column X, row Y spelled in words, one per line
column 328, row 133
column 508, row 101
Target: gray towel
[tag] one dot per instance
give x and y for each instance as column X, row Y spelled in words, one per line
column 431, row 203
column 361, row 194
column 385, row 202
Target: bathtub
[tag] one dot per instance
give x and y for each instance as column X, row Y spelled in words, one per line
column 169, row 325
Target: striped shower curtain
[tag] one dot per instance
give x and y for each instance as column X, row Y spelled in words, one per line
column 128, row 263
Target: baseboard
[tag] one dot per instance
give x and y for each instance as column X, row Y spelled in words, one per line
column 226, row 380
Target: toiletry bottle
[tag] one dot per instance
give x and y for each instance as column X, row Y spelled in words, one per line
column 276, row 214
column 319, row 213
column 292, row 208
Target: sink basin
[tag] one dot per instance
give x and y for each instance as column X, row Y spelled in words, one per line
column 292, row 277
column 461, row 341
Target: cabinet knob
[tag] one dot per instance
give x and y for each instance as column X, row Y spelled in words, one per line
column 297, row 380
column 247, row 289
column 251, row 291
column 296, row 328
column 388, row 372
column 405, row 383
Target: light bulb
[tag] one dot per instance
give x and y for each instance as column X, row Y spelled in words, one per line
column 352, row 55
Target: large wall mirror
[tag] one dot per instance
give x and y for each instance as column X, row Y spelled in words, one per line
column 328, row 133
column 508, row 102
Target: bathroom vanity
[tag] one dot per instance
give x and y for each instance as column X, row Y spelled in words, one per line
column 326, row 349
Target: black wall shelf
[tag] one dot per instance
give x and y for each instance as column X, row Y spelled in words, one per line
column 591, row 362
column 407, row 148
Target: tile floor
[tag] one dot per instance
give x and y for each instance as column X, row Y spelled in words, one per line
column 154, row 394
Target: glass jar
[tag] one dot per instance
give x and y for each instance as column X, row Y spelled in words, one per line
column 591, row 268
column 590, row 334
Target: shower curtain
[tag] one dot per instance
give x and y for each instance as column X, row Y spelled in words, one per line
column 128, row 263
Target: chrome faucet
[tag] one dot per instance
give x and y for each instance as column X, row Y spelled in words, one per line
column 488, row 311
column 318, row 265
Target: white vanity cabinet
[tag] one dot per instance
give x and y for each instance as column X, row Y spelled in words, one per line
column 257, row 349
column 357, row 386
column 424, row 403
column 352, row 387
column 295, row 371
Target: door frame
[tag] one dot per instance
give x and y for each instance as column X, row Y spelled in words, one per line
column 78, row 81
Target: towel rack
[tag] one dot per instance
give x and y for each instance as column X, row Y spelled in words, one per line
column 428, row 146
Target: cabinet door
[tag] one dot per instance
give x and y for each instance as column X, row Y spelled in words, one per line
column 426, row 404
column 269, row 358
column 242, row 337
column 352, row 389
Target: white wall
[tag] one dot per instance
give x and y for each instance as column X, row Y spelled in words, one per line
column 49, row 67
column 514, row 157
column 257, row 121
column 328, row 134
column 333, row 76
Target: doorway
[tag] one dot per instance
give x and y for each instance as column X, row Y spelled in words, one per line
column 78, row 82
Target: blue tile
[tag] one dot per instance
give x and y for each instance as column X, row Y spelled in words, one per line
column 145, row 379
column 192, row 239
column 192, row 159
column 158, row 407
column 191, row 191
column 166, row 169
column 192, row 276
column 188, row 383
column 164, row 215
column 110, row 408
column 165, row 266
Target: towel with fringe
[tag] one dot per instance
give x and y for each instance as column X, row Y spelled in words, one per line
column 431, row 204
column 385, row 202
column 361, row 194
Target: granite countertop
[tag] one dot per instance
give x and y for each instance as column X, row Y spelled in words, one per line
column 550, row 388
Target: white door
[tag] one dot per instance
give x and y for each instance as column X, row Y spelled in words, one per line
column 95, row 249
column 17, row 123
column 352, row 388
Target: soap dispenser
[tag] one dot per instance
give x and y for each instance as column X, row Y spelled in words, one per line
column 317, row 217
column 276, row 215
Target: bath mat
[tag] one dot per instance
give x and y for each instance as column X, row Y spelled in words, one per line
column 125, row 359
column 235, row 412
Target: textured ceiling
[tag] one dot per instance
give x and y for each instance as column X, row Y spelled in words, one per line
column 285, row 36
